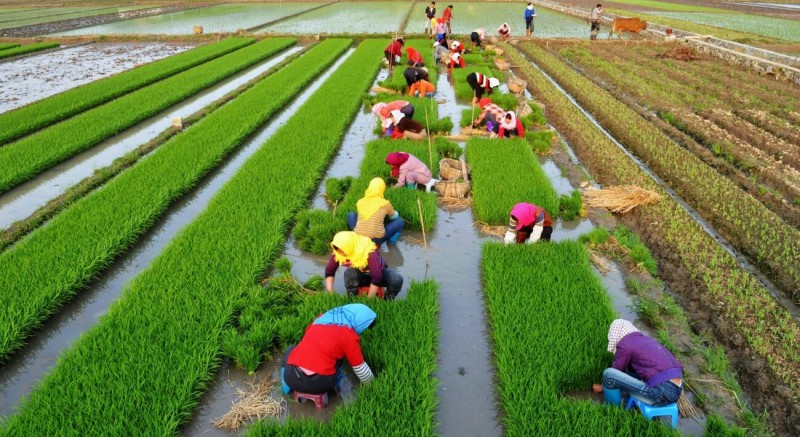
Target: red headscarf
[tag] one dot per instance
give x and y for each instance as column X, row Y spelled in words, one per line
column 396, row 159
column 484, row 101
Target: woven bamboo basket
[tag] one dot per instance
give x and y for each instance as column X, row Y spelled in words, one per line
column 502, row 64
column 516, row 85
column 450, row 169
column 198, row 30
column 453, row 188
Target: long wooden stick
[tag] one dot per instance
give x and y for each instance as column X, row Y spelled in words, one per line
column 424, row 237
column 430, row 149
column 474, row 97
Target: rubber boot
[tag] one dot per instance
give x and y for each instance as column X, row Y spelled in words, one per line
column 411, row 186
column 286, row 389
column 430, row 185
column 612, row 396
column 393, row 239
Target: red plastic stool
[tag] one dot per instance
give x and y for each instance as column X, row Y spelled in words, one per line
column 320, row 401
column 364, row 291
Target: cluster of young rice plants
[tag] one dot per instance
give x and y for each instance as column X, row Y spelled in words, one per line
column 8, row 45
column 163, row 336
column 634, row 251
column 24, row 159
column 315, row 228
column 506, row 172
column 571, row 206
column 336, row 188
column 402, row 351
column 751, row 227
column 545, row 304
column 14, row 124
column 30, row 48
column 82, row 240
column 768, row 329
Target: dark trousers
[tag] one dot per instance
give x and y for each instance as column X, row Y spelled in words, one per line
column 472, row 80
column 354, row 278
column 390, row 228
column 312, row 384
column 526, row 231
column 529, row 24
column 507, row 133
column 475, row 38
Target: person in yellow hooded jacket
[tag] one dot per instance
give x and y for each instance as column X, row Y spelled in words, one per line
column 365, row 266
column 372, row 210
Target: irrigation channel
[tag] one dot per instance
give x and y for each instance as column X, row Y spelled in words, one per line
column 21, row 202
column 467, row 399
column 31, row 363
column 741, row 259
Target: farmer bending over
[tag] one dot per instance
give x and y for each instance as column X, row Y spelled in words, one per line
column 373, row 209
column 642, row 366
column 409, row 171
column 407, row 128
column 423, row 87
column 394, row 51
column 456, row 61
column 365, row 266
column 414, row 58
column 415, row 74
column 384, row 111
column 510, row 125
column 491, row 113
column 529, row 223
column 481, row 84
column 476, row 37
column 504, row 32
column 314, row 366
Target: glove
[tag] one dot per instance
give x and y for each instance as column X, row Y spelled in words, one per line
column 509, row 237
column 536, row 234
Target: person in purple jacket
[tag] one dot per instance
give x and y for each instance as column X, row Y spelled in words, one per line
column 642, row 366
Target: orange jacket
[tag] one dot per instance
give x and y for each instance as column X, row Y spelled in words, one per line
column 423, row 86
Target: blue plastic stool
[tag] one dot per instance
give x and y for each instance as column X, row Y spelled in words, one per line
column 650, row 411
column 613, row 396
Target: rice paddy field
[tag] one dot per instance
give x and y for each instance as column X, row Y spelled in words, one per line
column 168, row 200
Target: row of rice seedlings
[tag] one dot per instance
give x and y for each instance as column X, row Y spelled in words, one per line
column 81, row 241
column 402, row 351
column 336, row 188
column 8, row 45
column 770, row 332
column 24, row 159
column 22, row 121
column 315, row 228
column 544, row 301
column 397, row 82
column 426, row 112
column 506, row 172
column 571, row 206
column 154, row 353
column 623, row 243
column 30, row 48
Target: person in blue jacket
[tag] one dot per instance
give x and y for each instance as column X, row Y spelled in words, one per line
column 529, row 14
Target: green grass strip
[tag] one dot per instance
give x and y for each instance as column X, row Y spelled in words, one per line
column 81, row 241
column 506, row 172
column 8, row 45
column 157, row 349
column 19, row 122
column 549, row 318
column 30, row 48
column 666, row 6
column 24, row 159
column 402, row 351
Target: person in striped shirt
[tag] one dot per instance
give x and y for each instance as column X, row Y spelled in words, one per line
column 314, row 365
column 490, row 112
column 481, row 84
column 529, row 223
column 372, row 210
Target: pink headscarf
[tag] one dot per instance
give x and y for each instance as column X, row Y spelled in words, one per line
column 619, row 329
column 525, row 213
column 396, row 159
column 511, row 124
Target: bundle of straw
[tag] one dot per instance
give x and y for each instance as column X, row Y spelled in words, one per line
column 380, row 89
column 254, row 402
column 685, row 407
column 620, row 198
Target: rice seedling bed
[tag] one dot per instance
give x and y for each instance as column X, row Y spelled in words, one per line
column 506, row 172
column 30, row 48
column 8, row 45
column 24, row 159
column 772, row 27
column 752, row 228
column 402, row 351
column 170, row 356
column 56, row 14
column 14, row 124
column 545, row 303
column 87, row 236
column 759, row 334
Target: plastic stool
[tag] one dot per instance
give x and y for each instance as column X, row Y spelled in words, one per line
column 320, row 400
column 651, row 411
column 363, row 291
column 613, row 396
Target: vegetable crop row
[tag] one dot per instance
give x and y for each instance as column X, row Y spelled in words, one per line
column 751, row 227
column 82, row 240
column 8, row 45
column 743, row 308
column 549, row 316
column 24, row 159
column 506, row 172
column 19, row 122
column 157, row 349
column 30, row 48
column 402, row 351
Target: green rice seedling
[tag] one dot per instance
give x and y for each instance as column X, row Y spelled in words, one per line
column 30, row 48
column 336, row 188
column 448, row 149
column 426, row 112
column 88, row 235
column 571, row 206
column 22, row 121
column 402, row 351
column 24, row 159
column 314, row 230
column 717, row 427
column 171, row 317
column 650, row 311
column 535, row 118
column 637, row 251
column 595, row 237
column 540, row 140
column 8, row 45
column 397, row 82
column 545, row 304
column 505, row 172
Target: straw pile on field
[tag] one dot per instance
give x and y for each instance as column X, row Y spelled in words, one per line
column 621, row 198
column 254, row 402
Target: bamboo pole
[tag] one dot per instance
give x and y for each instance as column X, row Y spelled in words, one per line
column 424, row 237
column 430, row 147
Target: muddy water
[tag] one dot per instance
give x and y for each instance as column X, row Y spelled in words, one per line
column 33, row 78
column 346, row 17
column 34, row 361
column 743, row 262
column 21, row 202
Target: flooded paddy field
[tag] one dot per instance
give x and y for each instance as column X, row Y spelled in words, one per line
column 37, row 16
column 349, row 18
column 779, row 28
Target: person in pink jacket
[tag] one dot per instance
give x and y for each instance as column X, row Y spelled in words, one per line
column 409, row 171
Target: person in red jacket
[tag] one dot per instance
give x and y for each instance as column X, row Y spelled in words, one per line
column 457, row 47
column 414, row 58
column 510, row 125
column 456, row 61
column 447, row 15
column 394, row 51
column 314, row 366
column 528, row 224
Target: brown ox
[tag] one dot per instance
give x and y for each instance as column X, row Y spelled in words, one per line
column 620, row 25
